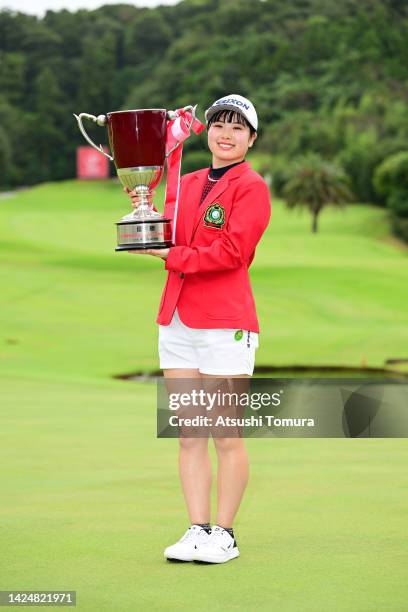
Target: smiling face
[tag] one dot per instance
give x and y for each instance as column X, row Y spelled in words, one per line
column 229, row 137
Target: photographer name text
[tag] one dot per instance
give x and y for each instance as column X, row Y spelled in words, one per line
column 253, row 421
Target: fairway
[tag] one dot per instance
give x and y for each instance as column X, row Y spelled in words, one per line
column 73, row 307
column 90, row 496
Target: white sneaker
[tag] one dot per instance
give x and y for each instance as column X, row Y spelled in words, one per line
column 219, row 547
column 185, row 548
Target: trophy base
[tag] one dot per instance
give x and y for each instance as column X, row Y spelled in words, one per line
column 142, row 234
column 137, row 247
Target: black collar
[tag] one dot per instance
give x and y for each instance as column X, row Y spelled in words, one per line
column 217, row 173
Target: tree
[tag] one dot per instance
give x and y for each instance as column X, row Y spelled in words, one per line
column 12, row 76
column 44, row 124
column 5, row 156
column 315, row 183
column 97, row 72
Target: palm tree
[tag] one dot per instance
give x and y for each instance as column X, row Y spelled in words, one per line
column 314, row 182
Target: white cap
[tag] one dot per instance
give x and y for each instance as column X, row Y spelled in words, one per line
column 236, row 103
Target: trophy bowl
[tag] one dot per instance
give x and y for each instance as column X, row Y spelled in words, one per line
column 137, row 140
column 138, row 143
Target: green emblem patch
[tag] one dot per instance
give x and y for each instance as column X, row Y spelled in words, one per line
column 238, row 334
column 214, row 216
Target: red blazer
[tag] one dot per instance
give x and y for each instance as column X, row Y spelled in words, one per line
column 208, row 276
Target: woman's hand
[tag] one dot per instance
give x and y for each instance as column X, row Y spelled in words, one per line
column 162, row 253
column 134, row 197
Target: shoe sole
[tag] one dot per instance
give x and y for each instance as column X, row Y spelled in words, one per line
column 178, row 558
column 203, row 559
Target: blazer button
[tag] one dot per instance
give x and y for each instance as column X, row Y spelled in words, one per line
column 181, row 274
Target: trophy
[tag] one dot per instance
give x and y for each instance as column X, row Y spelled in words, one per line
column 137, row 141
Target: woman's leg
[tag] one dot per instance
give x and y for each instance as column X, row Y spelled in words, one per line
column 232, row 478
column 232, row 474
column 194, row 460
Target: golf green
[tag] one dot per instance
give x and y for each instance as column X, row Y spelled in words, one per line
column 90, row 498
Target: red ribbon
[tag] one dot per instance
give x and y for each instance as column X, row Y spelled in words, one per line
column 178, row 130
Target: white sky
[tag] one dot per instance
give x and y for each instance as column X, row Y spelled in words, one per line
column 38, row 7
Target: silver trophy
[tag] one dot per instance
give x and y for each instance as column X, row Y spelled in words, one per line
column 137, row 140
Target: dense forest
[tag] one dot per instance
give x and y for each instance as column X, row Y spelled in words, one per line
column 328, row 77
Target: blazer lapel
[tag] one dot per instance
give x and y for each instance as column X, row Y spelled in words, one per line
column 193, row 195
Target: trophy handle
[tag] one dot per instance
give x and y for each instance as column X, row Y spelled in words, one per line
column 100, row 120
column 173, row 115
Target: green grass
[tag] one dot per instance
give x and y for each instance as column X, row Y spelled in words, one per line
column 73, row 307
column 90, row 496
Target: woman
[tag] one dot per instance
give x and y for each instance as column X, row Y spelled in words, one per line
column 207, row 319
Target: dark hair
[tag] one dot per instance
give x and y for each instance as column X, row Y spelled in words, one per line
column 230, row 116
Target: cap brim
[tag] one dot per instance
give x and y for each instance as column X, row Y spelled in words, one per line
column 214, row 109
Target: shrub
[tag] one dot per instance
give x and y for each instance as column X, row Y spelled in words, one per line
column 392, row 174
column 400, row 227
column 397, row 202
column 391, row 181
